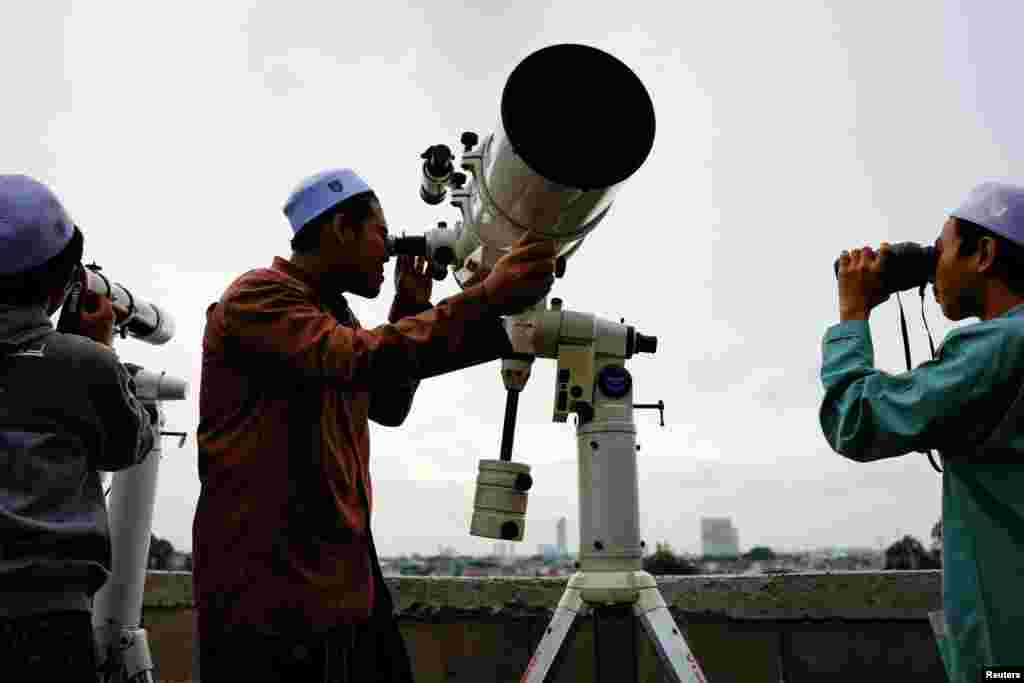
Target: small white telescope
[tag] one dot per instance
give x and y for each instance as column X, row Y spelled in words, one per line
column 146, row 321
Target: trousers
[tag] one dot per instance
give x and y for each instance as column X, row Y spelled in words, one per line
column 370, row 652
column 54, row 646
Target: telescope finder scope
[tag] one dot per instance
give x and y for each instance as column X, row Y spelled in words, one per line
column 437, row 171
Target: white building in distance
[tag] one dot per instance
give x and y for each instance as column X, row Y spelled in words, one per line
column 719, row 537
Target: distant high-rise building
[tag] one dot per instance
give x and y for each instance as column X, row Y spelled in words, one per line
column 719, row 537
column 561, row 538
column 550, row 552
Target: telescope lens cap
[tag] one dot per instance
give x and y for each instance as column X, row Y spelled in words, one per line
column 596, row 125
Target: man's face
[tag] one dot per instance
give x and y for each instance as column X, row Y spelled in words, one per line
column 957, row 284
column 360, row 253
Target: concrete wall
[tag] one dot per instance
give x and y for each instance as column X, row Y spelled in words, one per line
column 850, row 626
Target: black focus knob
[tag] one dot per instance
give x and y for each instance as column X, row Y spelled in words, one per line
column 457, row 180
column 469, row 140
column 646, row 344
column 523, row 481
column 509, row 531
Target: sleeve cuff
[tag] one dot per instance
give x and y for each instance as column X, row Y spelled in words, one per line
column 850, row 329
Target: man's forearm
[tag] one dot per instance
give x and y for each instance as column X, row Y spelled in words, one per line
column 401, row 308
column 479, row 336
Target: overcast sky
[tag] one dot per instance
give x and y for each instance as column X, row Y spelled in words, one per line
column 786, row 132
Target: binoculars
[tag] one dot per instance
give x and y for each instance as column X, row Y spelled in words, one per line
column 907, row 265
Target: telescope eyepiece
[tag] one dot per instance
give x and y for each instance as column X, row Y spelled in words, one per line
column 415, row 245
column 639, row 343
column 646, row 343
column 438, row 160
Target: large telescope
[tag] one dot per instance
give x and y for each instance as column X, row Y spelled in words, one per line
column 575, row 124
column 146, row 321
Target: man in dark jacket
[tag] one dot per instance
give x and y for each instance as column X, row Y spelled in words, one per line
column 286, row 577
column 67, row 412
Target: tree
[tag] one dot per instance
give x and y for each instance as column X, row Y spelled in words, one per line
column 160, row 552
column 908, row 553
column 663, row 561
column 936, row 550
column 760, row 553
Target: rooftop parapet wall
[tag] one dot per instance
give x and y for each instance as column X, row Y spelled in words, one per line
column 796, row 627
column 872, row 595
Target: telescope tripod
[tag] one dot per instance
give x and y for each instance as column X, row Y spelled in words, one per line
column 616, row 601
column 592, row 382
column 615, row 591
column 122, row 648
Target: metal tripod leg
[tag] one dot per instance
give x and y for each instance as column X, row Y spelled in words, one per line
column 124, row 655
column 637, row 590
column 676, row 658
column 550, row 649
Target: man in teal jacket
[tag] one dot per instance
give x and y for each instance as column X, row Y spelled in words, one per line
column 967, row 403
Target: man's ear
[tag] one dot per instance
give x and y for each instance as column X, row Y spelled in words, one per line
column 343, row 232
column 987, row 248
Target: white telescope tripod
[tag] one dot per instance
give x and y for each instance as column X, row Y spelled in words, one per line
column 121, row 645
column 591, row 381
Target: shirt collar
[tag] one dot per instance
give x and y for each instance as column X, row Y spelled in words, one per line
column 336, row 302
column 311, row 281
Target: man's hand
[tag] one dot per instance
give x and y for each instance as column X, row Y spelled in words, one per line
column 97, row 316
column 522, row 277
column 413, row 283
column 860, row 282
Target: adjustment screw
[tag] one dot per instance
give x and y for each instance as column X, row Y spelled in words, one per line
column 576, row 391
column 469, row 140
column 598, row 545
column 593, row 444
column 643, row 544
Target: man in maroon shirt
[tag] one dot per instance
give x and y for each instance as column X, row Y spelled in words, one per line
column 286, row 578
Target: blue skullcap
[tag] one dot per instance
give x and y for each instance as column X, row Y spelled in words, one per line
column 34, row 227
column 319, row 193
column 998, row 207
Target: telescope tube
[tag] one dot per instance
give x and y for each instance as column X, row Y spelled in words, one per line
column 575, row 124
column 146, row 322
